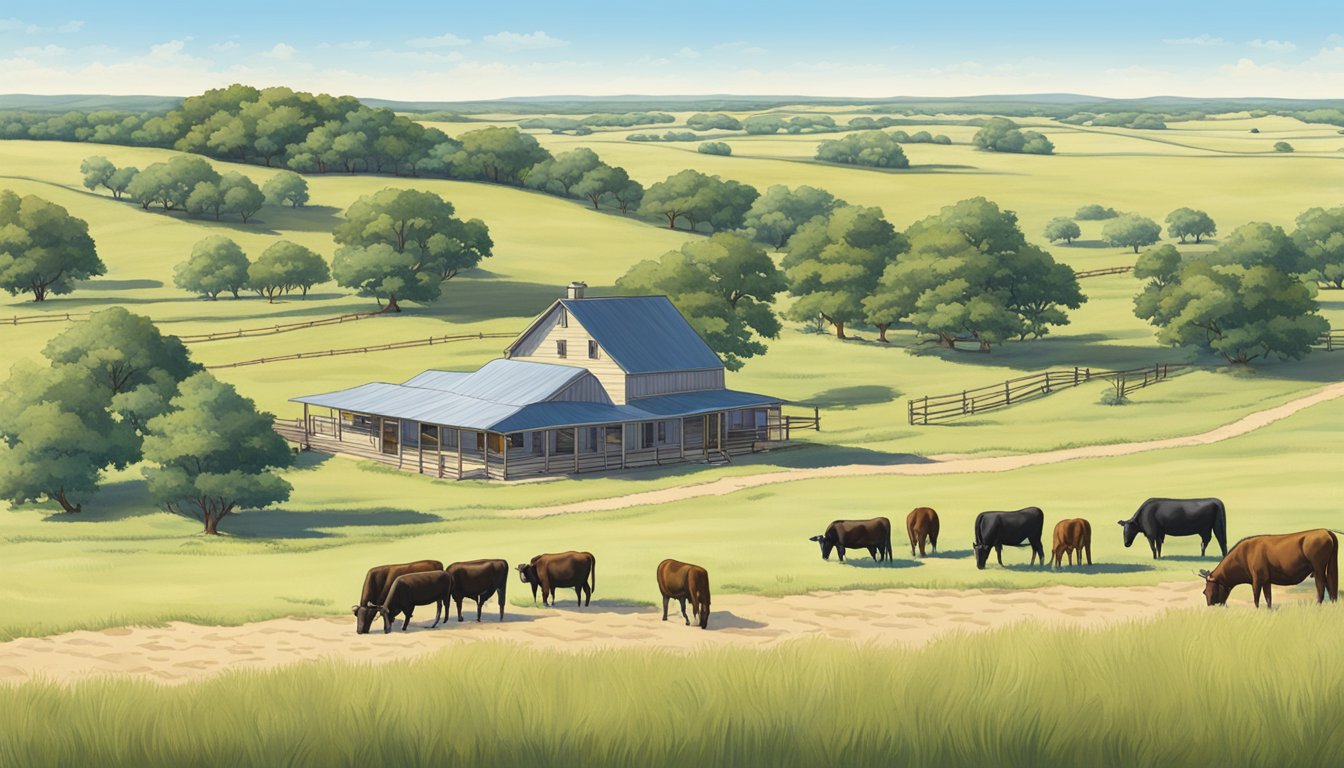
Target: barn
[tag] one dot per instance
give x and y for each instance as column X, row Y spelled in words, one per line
column 592, row 384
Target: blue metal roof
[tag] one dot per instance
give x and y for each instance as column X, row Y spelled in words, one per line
column 643, row 334
column 450, row 409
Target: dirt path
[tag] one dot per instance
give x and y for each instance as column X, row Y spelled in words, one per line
column 182, row 652
column 941, row 465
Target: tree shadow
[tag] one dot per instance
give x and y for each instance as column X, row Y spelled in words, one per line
column 1212, row 557
column 306, row 218
column 849, row 398
column 1088, row 350
column 1094, row 244
column 123, row 500
column 290, row 524
column 1097, row 568
column 814, row 455
column 99, row 284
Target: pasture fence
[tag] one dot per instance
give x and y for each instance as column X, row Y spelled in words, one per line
column 1080, row 274
column 932, row 409
column 64, row 317
column 271, row 330
column 429, row 342
column 1330, row 341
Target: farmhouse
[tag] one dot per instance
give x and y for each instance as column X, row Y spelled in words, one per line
column 593, row 384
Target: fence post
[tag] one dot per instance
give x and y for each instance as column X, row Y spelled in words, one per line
column 963, row 402
column 1007, row 394
column 910, row 411
column 816, row 416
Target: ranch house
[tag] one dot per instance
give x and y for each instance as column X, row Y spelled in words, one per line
column 592, row 384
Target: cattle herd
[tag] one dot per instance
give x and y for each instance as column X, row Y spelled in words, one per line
column 1262, row 561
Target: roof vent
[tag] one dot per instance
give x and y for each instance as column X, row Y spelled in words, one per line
column 575, row 290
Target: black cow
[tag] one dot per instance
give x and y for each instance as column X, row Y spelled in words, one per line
column 873, row 535
column 1157, row 519
column 995, row 530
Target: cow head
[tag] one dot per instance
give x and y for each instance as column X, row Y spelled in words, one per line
column 1131, row 528
column 981, row 554
column 1215, row 592
column 826, row 546
column 364, row 617
column 527, row 572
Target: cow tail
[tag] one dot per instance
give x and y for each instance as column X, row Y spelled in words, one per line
column 1220, row 528
column 1332, row 569
column 592, row 576
column 503, row 588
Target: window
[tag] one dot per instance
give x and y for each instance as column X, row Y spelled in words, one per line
column 429, row 436
column 516, row 440
column 647, row 434
column 592, row 349
column 662, row 432
column 614, row 436
column 561, row 348
column 564, row 317
column 564, row 440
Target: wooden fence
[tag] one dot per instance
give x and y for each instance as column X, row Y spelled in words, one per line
column 270, row 330
column 429, row 342
column 932, row 409
column 1330, row 341
column 1106, row 271
column 64, row 317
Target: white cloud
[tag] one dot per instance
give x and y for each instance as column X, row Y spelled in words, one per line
column 446, row 40
column 426, row 57
column 70, row 27
column 1197, row 40
column 45, row 50
column 281, row 52
column 532, row 41
column 1284, row 46
column 688, row 53
column 227, row 45
column 18, row 25
column 1333, row 57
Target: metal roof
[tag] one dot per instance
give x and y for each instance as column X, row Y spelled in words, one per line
column 444, row 380
column 451, row 409
column 517, row 382
column 643, row 334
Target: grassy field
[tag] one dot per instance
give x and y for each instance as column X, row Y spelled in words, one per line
column 344, row 516
column 1174, row 692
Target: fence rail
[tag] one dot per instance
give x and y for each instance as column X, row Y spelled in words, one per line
column 931, row 409
column 64, row 317
column 1331, row 340
column 271, row 330
column 1104, row 271
column 429, row 342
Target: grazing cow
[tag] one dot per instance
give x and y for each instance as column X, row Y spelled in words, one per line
column 1157, row 519
column 412, row 589
column 995, row 530
column 567, row 569
column 478, row 580
column 1285, row 559
column 873, row 535
column 685, row 581
column 377, row 582
column 922, row 524
column 1072, row 537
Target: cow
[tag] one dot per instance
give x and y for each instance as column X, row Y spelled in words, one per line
column 1284, row 559
column 685, row 581
column 413, row 589
column 995, row 530
column 922, row 524
column 478, row 580
column 1157, row 519
column 1072, row 537
column 873, row 535
column 567, row 569
column 377, row 582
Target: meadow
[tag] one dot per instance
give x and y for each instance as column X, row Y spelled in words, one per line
column 306, row 557
column 1174, row 691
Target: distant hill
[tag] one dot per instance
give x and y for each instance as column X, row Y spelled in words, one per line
column 27, row 102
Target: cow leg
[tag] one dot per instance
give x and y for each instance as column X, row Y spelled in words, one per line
column 480, row 603
column 438, row 609
column 407, row 622
column 1204, row 544
column 578, row 596
column 666, row 599
column 1255, row 592
column 912, row 545
column 840, row 552
column 1269, row 597
column 998, row 550
column 682, row 600
column 459, row 607
column 1319, row 578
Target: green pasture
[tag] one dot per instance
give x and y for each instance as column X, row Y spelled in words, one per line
column 1183, row 690
column 123, row 563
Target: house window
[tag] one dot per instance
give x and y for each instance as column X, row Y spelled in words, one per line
column 662, row 432
column 592, row 349
column 516, row 440
column 564, row 318
column 561, row 348
column 647, row 430
column 429, row 436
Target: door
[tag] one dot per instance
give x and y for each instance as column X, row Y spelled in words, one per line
column 391, row 436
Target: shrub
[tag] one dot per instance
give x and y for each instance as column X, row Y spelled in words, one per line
column 1094, row 212
column 714, row 148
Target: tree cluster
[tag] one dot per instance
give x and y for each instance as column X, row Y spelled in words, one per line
column 714, row 148
column 217, row 264
column 669, row 136
column 999, row 134
column 716, row 121
column 699, row 199
column 43, row 249
column 874, row 149
column 191, row 184
column 580, row 174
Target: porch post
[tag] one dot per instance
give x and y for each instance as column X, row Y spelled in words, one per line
column 604, row 446
column 576, row 450
column 306, row 424
column 704, row 436
column 546, row 451
column 419, row 448
column 681, row 432
column 338, row 423
column 485, row 454
column 622, row 445
column 505, row 446
column 459, row 454
column 400, row 444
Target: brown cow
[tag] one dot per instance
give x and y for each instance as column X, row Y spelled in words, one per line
column 921, row 524
column 873, row 535
column 567, row 569
column 1283, row 559
column 415, row 589
column 683, row 581
column 1072, row 537
column 478, row 580
column 377, row 583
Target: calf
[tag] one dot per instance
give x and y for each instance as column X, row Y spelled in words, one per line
column 995, row 530
column 478, row 580
column 377, row 583
column 873, row 535
column 1285, row 559
column 1072, row 537
column 685, row 581
column 412, row 589
column 922, row 524
column 567, row 569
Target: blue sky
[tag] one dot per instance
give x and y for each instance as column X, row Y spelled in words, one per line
column 451, row 51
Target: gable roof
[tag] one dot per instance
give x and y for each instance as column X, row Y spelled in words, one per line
column 642, row 334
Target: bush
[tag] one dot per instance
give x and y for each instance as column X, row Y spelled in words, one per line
column 1255, row 130
column 1283, row 146
column 1114, row 395
column 714, row 148
column 872, row 148
column 1095, row 212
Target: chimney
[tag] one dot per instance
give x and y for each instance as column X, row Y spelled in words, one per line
column 575, row 290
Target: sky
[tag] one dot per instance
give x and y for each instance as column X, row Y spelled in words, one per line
column 452, row 51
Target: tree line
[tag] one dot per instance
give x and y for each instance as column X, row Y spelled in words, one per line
column 192, row 184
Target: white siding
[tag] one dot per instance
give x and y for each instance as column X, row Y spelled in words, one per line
column 540, row 346
column 586, row 389
column 651, row 384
